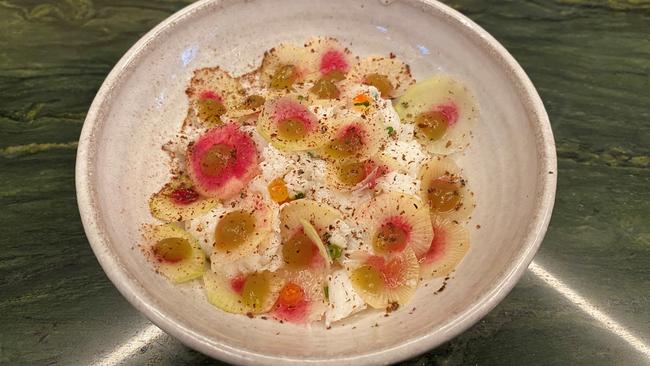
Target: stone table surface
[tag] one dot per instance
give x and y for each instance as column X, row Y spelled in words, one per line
column 584, row 301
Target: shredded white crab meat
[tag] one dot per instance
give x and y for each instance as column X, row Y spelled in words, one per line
column 343, row 299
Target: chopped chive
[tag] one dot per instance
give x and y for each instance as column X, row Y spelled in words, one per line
column 334, row 251
column 299, row 195
column 326, row 290
column 391, row 130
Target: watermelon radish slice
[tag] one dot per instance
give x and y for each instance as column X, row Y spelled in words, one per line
column 444, row 189
column 396, row 221
column 242, row 294
column 356, row 175
column 179, row 201
column 389, row 75
column 222, row 161
column 285, row 67
column 448, row 247
column 174, row 252
column 332, row 62
column 214, row 95
column 383, row 280
column 301, row 299
column 355, row 137
column 443, row 110
column 289, row 125
column 303, row 226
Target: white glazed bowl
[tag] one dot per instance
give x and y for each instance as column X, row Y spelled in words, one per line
column 511, row 167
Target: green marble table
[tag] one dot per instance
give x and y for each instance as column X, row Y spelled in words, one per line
column 584, row 301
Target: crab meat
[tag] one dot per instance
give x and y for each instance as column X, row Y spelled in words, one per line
column 222, row 161
column 443, row 111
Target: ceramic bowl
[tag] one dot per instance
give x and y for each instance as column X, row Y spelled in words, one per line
column 510, row 165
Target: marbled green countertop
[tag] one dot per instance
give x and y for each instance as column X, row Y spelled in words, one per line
column 585, row 300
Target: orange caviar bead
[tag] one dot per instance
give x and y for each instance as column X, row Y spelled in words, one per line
column 278, row 190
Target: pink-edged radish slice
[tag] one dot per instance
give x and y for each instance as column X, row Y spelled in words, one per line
column 214, row 95
column 301, row 299
column 289, row 124
column 355, row 137
column 285, row 67
column 241, row 230
column 222, row 161
column 300, row 249
column 383, row 280
column 174, row 252
column 356, row 175
column 389, row 75
column 242, row 294
column 396, row 221
column 444, row 112
column 332, row 63
column 448, row 247
column 445, row 190
column 179, row 201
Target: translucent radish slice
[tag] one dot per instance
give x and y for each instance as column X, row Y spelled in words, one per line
column 443, row 110
column 448, row 247
column 383, row 280
column 389, row 75
column 301, row 299
column 355, row 137
column 444, row 189
column 313, row 235
column 179, row 201
column 300, row 250
column 175, row 253
column 241, row 230
column 289, row 125
column 395, row 221
column 214, row 95
column 222, row 161
column 285, row 67
column 332, row 63
column 356, row 175
column 253, row 293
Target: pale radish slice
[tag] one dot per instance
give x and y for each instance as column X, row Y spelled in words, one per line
column 301, row 299
column 302, row 245
column 179, row 201
column 389, row 75
column 286, row 67
column 313, row 235
column 241, row 230
column 355, row 137
column 332, row 62
column 214, row 95
column 445, row 190
column 356, row 175
column 174, row 252
column 448, row 247
column 289, row 124
column 444, row 112
column 396, row 221
column 253, row 293
column 222, row 161
column 383, row 280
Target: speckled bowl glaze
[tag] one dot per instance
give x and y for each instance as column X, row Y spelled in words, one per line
column 511, row 166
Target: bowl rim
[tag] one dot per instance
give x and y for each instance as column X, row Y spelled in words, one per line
column 139, row 297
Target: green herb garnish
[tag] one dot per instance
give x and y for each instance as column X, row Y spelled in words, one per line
column 334, row 251
column 326, row 290
column 299, row 195
column 391, row 131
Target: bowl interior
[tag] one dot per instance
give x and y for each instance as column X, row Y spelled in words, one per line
column 144, row 105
